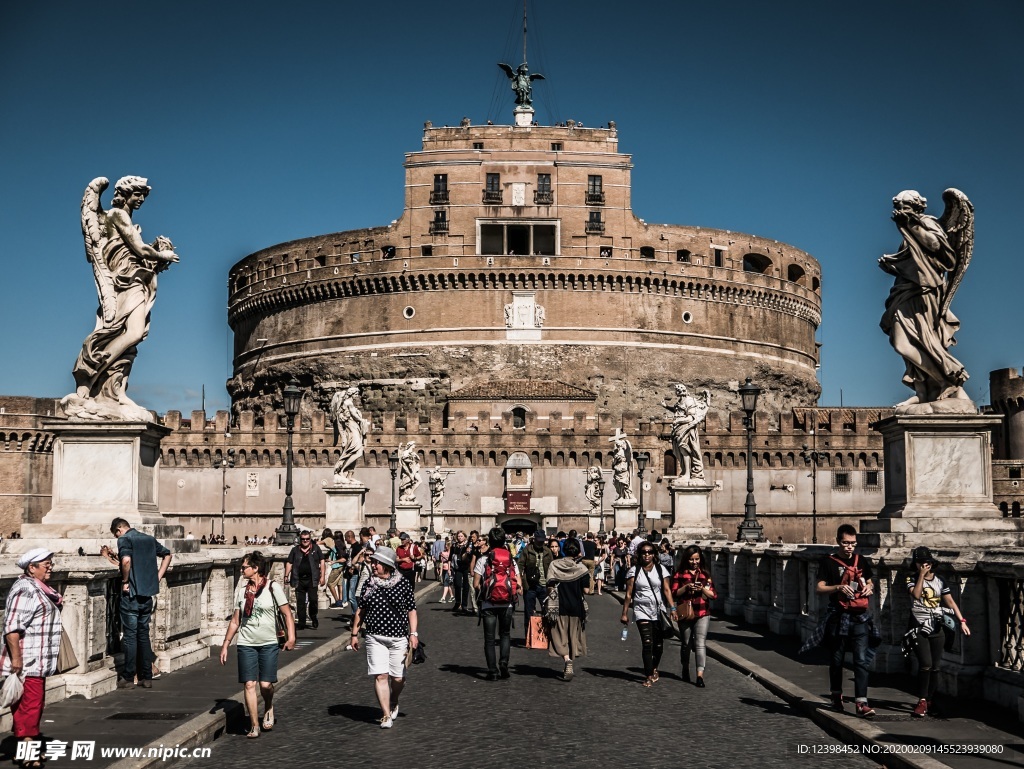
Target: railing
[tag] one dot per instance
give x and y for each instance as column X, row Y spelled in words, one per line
column 595, row 198
column 439, row 197
column 594, row 228
column 1011, row 621
column 543, row 197
column 438, row 227
column 492, row 197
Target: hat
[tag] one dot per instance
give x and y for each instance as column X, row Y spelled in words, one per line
column 539, row 535
column 384, row 555
column 35, row 555
column 403, row 535
column 922, row 555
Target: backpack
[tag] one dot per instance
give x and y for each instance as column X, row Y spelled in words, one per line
column 499, row 584
column 852, row 575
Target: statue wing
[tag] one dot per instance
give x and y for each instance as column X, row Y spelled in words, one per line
column 958, row 223
column 507, row 70
column 537, row 76
column 92, row 231
column 629, row 456
column 335, row 406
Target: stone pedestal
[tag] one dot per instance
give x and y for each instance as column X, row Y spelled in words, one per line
column 691, row 511
column 407, row 518
column 626, row 515
column 938, row 485
column 345, row 508
column 523, row 116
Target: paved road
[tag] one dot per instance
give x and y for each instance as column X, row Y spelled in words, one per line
column 452, row 718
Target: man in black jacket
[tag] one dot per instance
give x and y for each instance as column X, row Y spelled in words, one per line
column 534, row 560
column 306, row 570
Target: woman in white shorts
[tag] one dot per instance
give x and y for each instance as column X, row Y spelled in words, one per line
column 387, row 611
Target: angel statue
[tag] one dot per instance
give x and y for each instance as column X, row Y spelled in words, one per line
column 350, row 428
column 928, row 268
column 593, row 490
column 622, row 467
column 687, row 415
column 522, row 83
column 436, row 479
column 124, row 269
column 408, row 472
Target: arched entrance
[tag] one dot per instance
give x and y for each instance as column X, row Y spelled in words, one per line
column 525, row 525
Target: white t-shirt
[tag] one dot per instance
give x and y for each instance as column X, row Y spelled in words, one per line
column 259, row 628
column 648, row 595
column 480, row 569
column 634, row 543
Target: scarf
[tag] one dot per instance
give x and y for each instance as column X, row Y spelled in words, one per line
column 251, row 594
column 373, row 584
column 566, row 570
column 56, row 598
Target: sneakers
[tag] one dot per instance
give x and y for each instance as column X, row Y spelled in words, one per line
column 124, row 683
column 344, row 605
column 921, row 709
column 837, row 702
column 145, row 683
column 567, row 673
column 386, row 722
column 864, row 710
column 394, row 712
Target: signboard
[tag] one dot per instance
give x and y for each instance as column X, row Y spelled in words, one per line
column 652, row 514
column 517, row 503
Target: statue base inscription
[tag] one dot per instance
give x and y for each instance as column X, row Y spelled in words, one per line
column 345, row 508
column 938, row 484
column 691, row 511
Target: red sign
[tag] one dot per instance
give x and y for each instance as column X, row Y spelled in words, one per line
column 517, row 503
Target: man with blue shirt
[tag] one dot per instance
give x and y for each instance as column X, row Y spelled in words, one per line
column 140, row 581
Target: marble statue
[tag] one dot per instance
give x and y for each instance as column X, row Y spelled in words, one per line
column 408, row 471
column 124, row 269
column 928, row 269
column 521, row 81
column 688, row 413
column 539, row 316
column 437, row 477
column 622, row 467
column 350, row 428
column 592, row 490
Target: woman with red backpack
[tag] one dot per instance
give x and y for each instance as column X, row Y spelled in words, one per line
column 496, row 580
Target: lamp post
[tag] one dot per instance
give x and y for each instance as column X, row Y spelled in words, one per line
column 432, row 481
column 750, row 530
column 287, row 532
column 641, row 465
column 600, row 493
column 393, row 467
column 225, row 463
column 811, row 455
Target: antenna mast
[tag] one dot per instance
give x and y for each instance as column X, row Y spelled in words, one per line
column 524, row 31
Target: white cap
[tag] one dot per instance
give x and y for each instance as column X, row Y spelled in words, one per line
column 35, row 555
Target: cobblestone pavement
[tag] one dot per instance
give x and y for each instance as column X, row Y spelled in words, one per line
column 452, row 718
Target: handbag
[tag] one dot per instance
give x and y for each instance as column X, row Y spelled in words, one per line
column 280, row 623
column 536, row 633
column 551, row 606
column 66, row 659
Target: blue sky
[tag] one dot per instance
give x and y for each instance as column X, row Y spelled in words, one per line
column 258, row 123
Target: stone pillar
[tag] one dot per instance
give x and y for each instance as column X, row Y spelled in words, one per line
column 407, row 518
column 523, row 116
column 345, row 508
column 785, row 610
column 626, row 514
column 691, row 512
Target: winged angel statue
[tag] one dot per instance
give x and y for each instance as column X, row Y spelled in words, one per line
column 522, row 82
column 125, row 270
column 929, row 267
column 622, row 467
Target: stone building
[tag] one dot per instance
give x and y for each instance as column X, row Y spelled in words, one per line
column 26, row 460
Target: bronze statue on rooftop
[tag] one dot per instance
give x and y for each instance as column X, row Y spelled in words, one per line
column 521, row 81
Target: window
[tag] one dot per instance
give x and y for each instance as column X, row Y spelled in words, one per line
column 1015, row 472
column 440, row 223
column 516, row 237
column 478, row 145
column 439, row 195
column 756, row 263
column 871, row 479
column 595, row 191
column 594, row 224
column 795, row 274
column 542, row 195
column 519, row 418
column 594, row 184
column 646, row 252
column 544, row 182
column 426, row 250
column 440, row 182
column 606, row 252
column 682, row 255
column 556, row 146
column 494, row 182
column 719, row 257
column 840, row 481
column 387, row 252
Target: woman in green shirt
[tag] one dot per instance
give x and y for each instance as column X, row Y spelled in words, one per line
column 257, row 600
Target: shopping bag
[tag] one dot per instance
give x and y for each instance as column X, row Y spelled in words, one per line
column 536, row 633
column 14, row 686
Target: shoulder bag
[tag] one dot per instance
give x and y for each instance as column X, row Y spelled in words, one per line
column 280, row 623
column 668, row 627
column 66, row 659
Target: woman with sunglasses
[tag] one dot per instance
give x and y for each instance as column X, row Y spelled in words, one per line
column 387, row 609
column 254, row 620
column 648, row 593
column 692, row 583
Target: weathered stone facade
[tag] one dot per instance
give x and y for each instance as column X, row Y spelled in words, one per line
column 26, row 461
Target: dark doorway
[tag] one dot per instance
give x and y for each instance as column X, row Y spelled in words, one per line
column 519, row 524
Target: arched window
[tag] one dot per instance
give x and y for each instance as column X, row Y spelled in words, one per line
column 756, row 263
column 815, row 284
column 795, row 274
column 646, row 252
column 682, row 255
column 519, row 417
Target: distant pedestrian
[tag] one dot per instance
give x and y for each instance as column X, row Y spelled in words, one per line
column 534, row 560
column 496, row 577
column 387, row 610
column 460, row 558
column 336, row 558
column 929, row 593
column 648, row 593
column 436, row 548
column 32, row 628
column 666, row 556
column 254, row 620
column 444, row 566
column 569, row 581
column 692, row 584
column 305, row 570
column 408, row 555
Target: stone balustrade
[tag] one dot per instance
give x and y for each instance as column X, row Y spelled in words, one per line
column 774, row 586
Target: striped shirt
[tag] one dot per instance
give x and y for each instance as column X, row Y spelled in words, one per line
column 32, row 614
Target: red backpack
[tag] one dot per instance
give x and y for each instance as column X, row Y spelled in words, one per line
column 852, row 575
column 499, row 584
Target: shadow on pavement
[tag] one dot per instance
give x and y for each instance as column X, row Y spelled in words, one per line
column 536, row 670
column 362, row 713
column 775, row 707
column 473, row 671
column 623, row 675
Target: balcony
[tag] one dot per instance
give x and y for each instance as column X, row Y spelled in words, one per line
column 439, row 197
column 543, row 197
column 439, row 227
column 492, row 197
column 594, row 228
column 595, row 198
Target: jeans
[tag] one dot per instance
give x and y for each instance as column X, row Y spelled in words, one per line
column 136, row 613
column 461, row 590
column 653, row 644
column 694, row 634
column 306, row 592
column 350, row 591
column 534, row 596
column 500, row 621
column 857, row 642
column 620, row 576
column 929, row 656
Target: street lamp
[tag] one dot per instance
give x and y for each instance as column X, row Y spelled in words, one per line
column 432, row 481
column 393, row 467
column 641, row 465
column 288, row 531
column 750, row 530
column 600, row 493
column 811, row 455
column 225, row 463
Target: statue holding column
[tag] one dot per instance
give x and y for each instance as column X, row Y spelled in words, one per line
column 350, row 431
column 688, row 413
column 408, row 472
